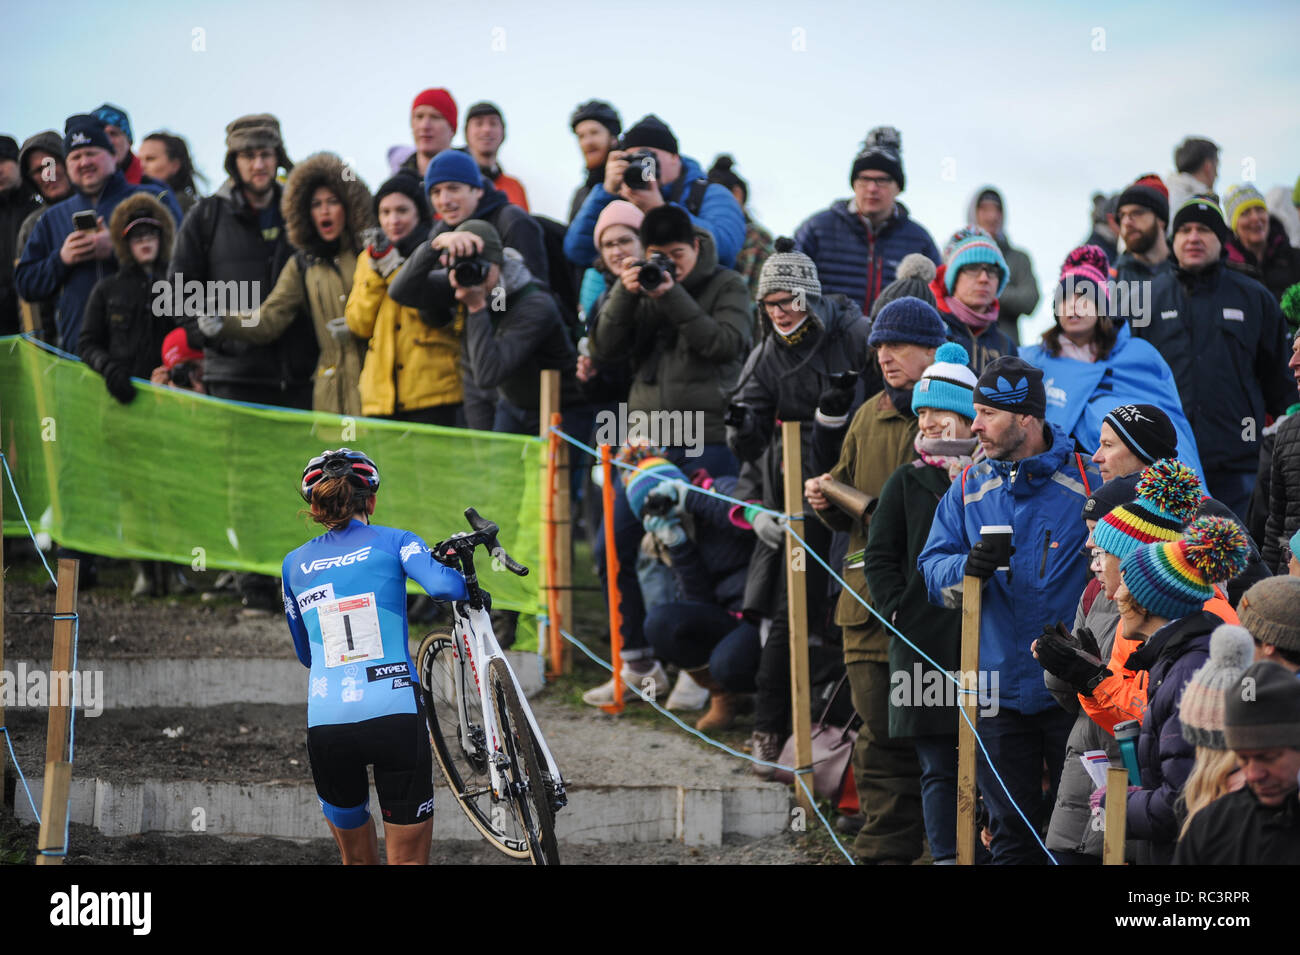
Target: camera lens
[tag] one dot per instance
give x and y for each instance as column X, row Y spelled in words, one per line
column 470, row 272
column 650, row 276
column 640, row 170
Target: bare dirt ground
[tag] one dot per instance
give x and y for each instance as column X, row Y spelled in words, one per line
column 266, row 742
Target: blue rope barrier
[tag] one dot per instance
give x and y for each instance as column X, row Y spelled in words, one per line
column 72, row 682
column 798, row 774
column 30, row 533
column 872, row 610
column 961, row 710
column 9, row 740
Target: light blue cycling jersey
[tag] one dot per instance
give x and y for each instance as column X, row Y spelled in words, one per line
column 345, row 600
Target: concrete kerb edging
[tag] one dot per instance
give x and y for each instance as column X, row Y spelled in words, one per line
column 613, row 814
column 208, row 681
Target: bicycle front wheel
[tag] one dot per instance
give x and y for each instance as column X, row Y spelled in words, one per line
column 527, row 785
column 462, row 750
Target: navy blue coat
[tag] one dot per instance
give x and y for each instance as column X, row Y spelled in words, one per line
column 1172, row 655
column 711, row 566
column 720, row 214
column 41, row 274
column 854, row 262
column 1224, row 338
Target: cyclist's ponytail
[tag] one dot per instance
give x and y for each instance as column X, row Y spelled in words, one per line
column 334, row 502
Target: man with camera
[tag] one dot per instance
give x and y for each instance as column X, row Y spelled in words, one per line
column 648, row 171
column 70, row 248
column 458, row 192
column 513, row 327
column 683, row 323
column 1033, row 484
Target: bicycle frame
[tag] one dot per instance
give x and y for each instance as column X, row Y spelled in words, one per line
column 475, row 645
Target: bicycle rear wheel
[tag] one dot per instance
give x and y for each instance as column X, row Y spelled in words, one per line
column 528, row 797
column 463, row 760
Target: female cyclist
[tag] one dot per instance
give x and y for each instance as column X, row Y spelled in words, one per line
column 345, row 600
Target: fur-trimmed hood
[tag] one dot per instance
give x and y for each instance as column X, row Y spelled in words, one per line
column 141, row 205
column 325, row 169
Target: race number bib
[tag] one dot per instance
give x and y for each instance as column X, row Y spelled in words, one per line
column 349, row 630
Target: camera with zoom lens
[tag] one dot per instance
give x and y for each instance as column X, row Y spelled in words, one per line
column 642, row 169
column 470, row 272
column 651, row 272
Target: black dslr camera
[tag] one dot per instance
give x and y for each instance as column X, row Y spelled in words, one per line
column 182, row 374
column 650, row 272
column 470, row 272
column 641, row 169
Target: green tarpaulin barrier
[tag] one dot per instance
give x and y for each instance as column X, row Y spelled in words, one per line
column 212, row 484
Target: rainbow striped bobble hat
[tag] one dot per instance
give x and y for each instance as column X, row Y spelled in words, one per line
column 651, row 468
column 1168, row 495
column 1174, row 579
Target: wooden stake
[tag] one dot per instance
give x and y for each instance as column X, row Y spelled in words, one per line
column 611, row 573
column 549, row 404
column 563, row 548
column 971, row 594
column 58, row 770
column 1116, row 819
column 54, row 811
column 548, row 554
column 796, row 581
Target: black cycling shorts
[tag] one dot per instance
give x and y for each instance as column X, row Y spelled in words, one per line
column 397, row 746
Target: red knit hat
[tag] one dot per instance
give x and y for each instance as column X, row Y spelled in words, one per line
column 176, row 349
column 440, row 100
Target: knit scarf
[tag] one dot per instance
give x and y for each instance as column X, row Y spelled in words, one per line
column 795, row 335
column 901, row 400
column 971, row 318
column 951, row 454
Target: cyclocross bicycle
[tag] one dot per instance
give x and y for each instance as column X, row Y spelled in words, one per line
column 484, row 734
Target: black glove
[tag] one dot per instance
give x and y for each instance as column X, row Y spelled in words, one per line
column 117, row 378
column 737, row 416
column 1087, row 642
column 1063, row 656
column 982, row 561
column 838, row 398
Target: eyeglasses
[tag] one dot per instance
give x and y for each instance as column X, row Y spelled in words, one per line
column 879, row 182
column 1092, row 553
column 983, row 268
column 781, row 305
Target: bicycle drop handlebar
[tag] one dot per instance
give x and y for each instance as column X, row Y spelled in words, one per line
column 459, row 549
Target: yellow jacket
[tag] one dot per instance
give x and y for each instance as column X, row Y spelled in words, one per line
column 422, row 362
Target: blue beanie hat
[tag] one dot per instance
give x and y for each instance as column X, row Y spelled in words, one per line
column 972, row 246
column 908, row 320
column 948, row 384
column 452, row 165
column 84, row 130
column 649, row 473
column 111, row 115
column 1295, row 545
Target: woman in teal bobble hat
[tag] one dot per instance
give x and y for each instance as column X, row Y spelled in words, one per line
column 943, row 401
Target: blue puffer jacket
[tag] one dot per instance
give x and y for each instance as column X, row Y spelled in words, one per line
column 1080, row 395
column 1224, row 338
column 1173, row 654
column 857, row 263
column 720, row 213
column 711, row 567
column 41, row 274
column 1042, row 503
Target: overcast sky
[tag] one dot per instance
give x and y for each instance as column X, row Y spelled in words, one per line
column 1048, row 101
